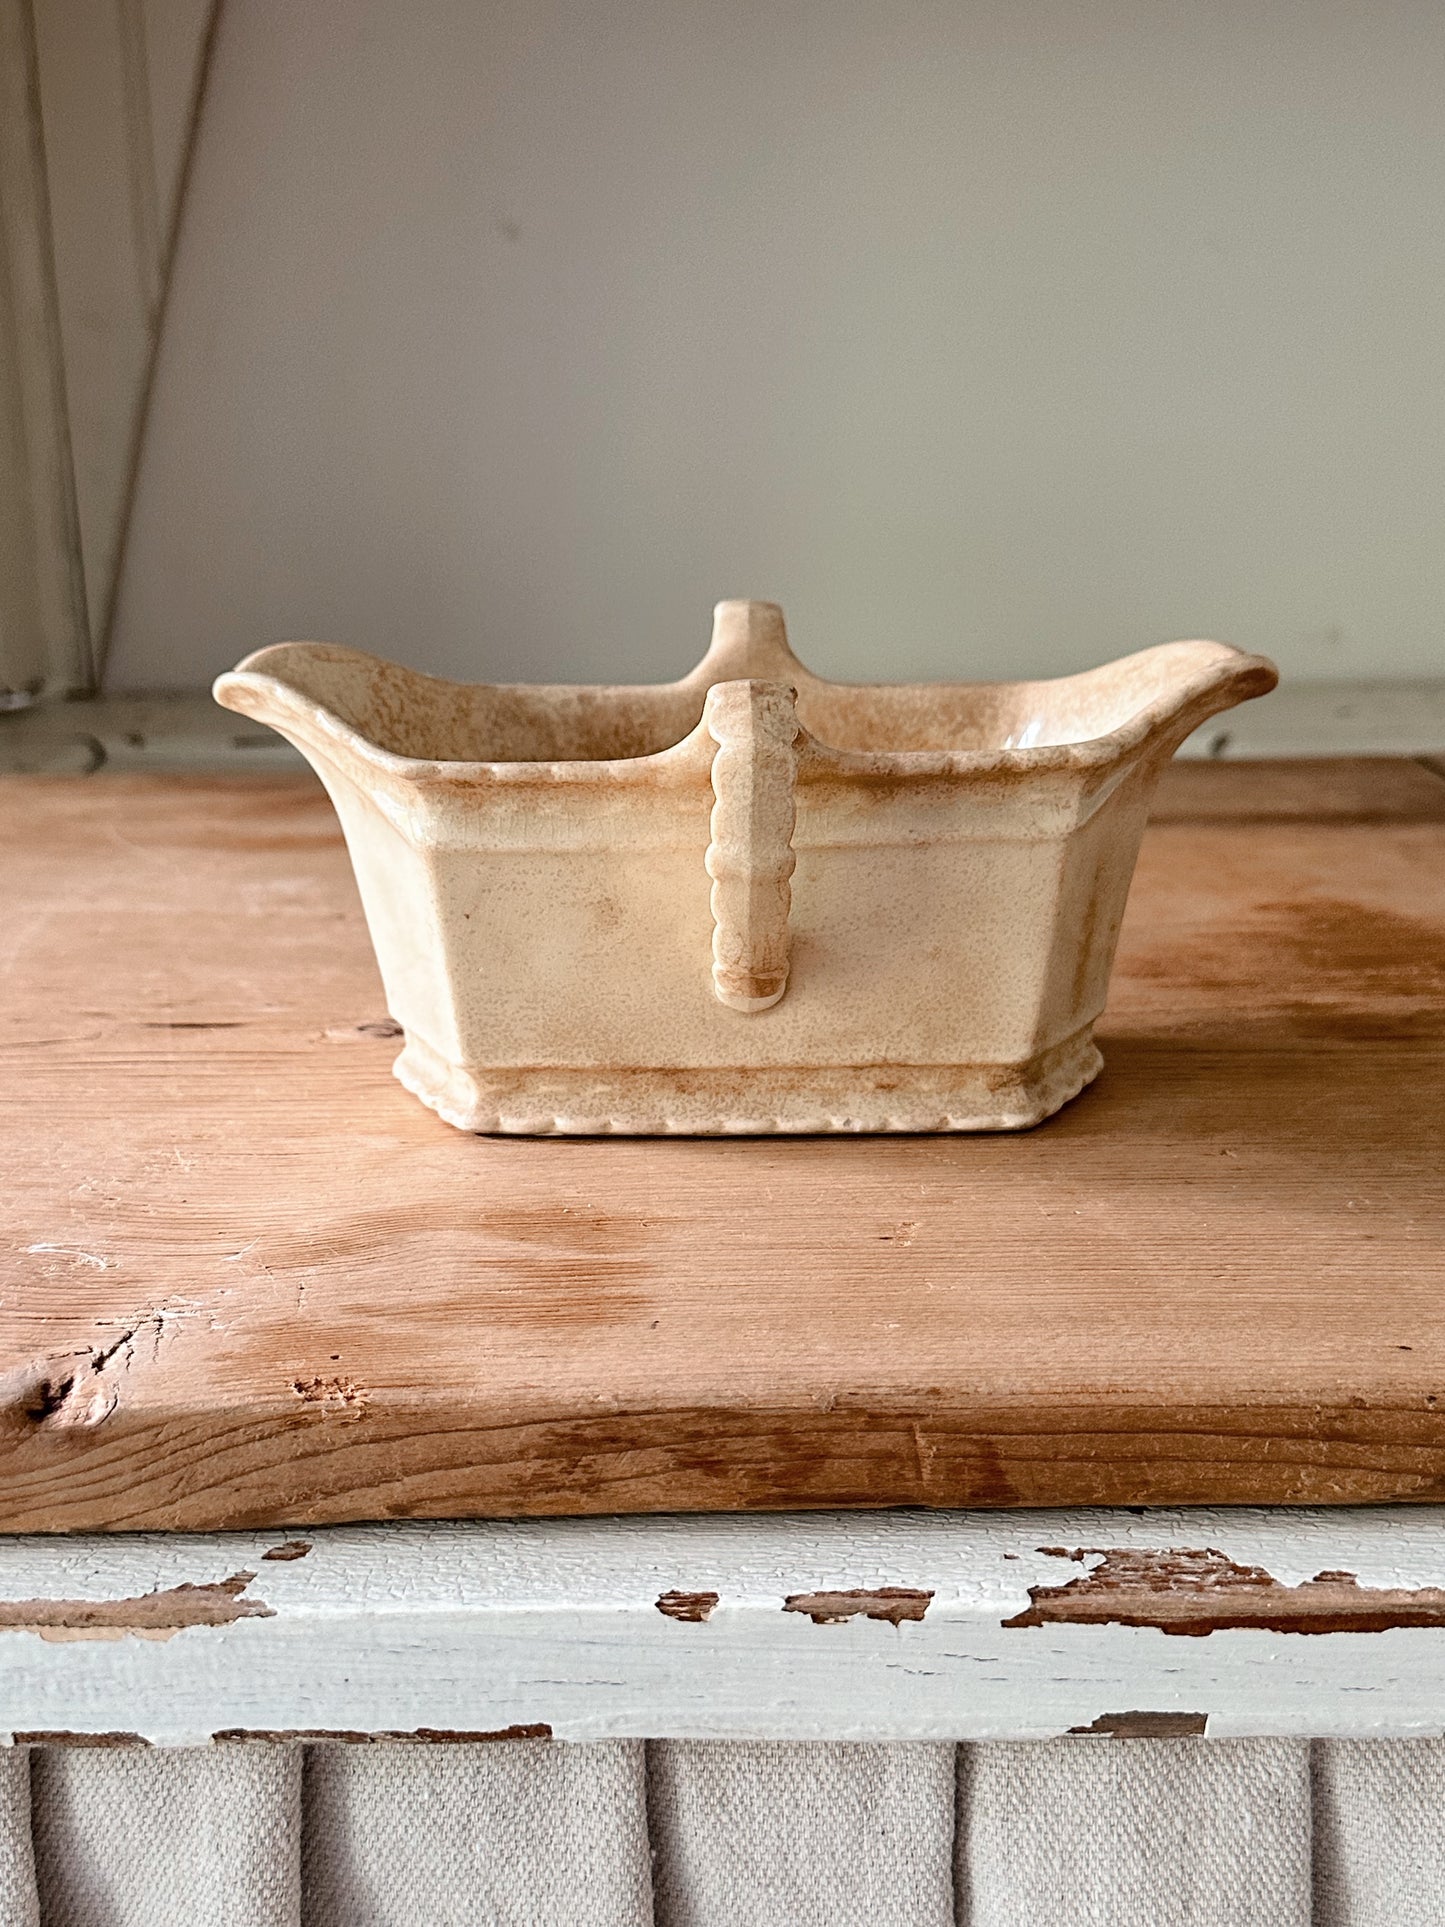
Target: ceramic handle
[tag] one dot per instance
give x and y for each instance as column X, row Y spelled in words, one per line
column 750, row 858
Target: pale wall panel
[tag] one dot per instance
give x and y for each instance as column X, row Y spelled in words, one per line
column 117, row 83
column 989, row 338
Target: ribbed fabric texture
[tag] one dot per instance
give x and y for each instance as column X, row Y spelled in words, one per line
column 1108, row 1832
column 781, row 1835
column 19, row 1904
column 1379, row 1832
column 125, row 1834
column 1162, row 1833
column 516, row 1834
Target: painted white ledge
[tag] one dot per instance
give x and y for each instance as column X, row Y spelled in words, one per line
column 175, row 732
column 189, row 731
column 1329, row 719
column 459, row 1631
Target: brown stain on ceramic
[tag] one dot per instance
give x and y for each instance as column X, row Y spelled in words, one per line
column 692, row 1607
column 153, row 1615
column 1147, row 1726
column 891, row 1603
column 1086, row 939
column 1191, row 1593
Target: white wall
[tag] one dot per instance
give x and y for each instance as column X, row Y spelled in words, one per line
column 990, row 338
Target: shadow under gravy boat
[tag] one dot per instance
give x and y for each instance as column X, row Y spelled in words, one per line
column 751, row 901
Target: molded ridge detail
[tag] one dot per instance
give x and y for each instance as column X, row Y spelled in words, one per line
column 778, row 1100
column 750, row 858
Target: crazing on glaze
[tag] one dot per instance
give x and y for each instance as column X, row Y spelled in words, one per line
column 752, row 901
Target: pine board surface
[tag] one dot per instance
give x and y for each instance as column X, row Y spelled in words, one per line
column 248, row 1280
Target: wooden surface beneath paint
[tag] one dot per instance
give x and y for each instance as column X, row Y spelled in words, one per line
column 248, row 1280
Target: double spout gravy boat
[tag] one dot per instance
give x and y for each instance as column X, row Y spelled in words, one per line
column 751, row 901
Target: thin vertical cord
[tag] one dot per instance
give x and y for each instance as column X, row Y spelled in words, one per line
column 164, row 252
column 140, row 142
column 63, row 652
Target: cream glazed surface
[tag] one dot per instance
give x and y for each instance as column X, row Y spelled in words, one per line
column 752, row 901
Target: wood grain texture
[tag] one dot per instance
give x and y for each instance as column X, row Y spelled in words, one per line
column 248, row 1280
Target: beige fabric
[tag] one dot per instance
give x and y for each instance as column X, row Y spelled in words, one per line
column 1135, row 1833
column 781, row 1835
column 18, row 1903
column 1115, row 1833
column 1379, row 1825
column 130, row 1837
column 512, row 1834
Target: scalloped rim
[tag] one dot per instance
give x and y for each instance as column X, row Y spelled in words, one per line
column 723, row 1102
column 1232, row 677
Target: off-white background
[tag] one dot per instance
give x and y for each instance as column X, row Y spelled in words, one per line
column 995, row 337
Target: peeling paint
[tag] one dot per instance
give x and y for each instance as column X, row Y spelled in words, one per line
column 153, row 1615
column 45, row 1737
column 694, row 1607
column 1195, row 1592
column 291, row 1549
column 420, row 1735
column 893, row 1603
column 402, row 1618
column 1146, row 1726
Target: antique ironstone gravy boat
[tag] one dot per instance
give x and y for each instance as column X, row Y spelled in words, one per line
column 749, row 901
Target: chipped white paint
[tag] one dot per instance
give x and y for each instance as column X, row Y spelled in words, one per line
column 1330, row 719
column 482, row 1627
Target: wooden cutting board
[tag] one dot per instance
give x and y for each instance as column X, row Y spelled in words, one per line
column 247, row 1280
